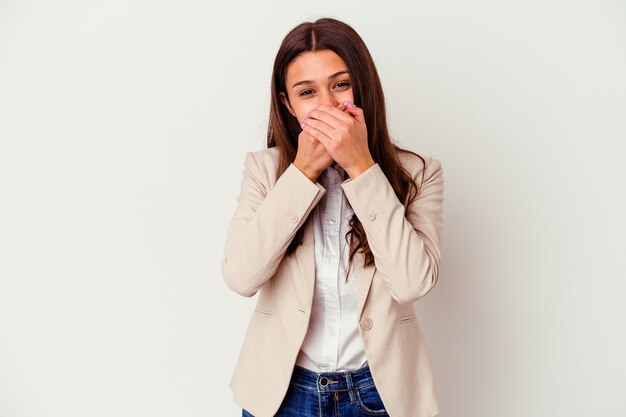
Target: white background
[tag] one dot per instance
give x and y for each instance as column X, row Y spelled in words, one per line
column 123, row 128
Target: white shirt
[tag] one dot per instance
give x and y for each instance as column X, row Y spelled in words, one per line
column 333, row 342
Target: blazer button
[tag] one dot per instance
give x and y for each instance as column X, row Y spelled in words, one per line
column 366, row 323
column 294, row 218
column 372, row 216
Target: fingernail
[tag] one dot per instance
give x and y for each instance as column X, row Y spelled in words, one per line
column 346, row 103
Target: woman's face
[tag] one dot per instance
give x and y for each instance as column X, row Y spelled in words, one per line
column 313, row 78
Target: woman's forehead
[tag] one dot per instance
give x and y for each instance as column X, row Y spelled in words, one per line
column 315, row 66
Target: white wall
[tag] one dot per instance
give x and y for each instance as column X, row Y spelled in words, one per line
column 123, row 129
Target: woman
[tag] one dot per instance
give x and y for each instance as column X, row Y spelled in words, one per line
column 338, row 230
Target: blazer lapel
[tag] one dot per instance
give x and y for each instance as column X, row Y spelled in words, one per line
column 305, row 258
column 364, row 277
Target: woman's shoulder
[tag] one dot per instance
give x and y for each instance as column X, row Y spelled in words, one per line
column 262, row 163
column 266, row 156
column 266, row 152
column 417, row 164
column 263, row 157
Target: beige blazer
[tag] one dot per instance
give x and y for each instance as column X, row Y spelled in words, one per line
column 406, row 249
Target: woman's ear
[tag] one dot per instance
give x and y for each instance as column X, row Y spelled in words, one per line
column 285, row 101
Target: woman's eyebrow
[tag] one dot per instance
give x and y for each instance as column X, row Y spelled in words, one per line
column 330, row 77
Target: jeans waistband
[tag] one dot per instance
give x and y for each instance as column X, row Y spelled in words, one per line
column 332, row 381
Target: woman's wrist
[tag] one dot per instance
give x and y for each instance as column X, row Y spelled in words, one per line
column 355, row 172
column 311, row 174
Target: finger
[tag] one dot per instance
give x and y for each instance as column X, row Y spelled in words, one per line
column 333, row 111
column 306, row 136
column 326, row 117
column 321, row 127
column 355, row 111
column 321, row 137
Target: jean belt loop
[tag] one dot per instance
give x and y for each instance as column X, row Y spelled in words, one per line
column 350, row 388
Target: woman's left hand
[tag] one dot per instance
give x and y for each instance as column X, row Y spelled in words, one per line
column 343, row 134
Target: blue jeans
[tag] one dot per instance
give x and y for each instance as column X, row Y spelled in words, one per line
column 344, row 394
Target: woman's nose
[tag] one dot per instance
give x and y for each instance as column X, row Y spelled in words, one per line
column 328, row 99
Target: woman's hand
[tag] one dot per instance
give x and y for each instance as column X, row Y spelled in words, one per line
column 343, row 134
column 312, row 158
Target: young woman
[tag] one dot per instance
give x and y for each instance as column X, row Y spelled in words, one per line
column 338, row 229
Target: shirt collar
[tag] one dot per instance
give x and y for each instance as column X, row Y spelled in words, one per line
column 337, row 167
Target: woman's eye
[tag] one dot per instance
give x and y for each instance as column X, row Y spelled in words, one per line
column 302, row 93
column 342, row 83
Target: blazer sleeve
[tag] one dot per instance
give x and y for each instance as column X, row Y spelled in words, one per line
column 406, row 246
column 264, row 223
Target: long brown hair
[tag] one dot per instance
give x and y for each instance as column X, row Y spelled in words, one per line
column 284, row 129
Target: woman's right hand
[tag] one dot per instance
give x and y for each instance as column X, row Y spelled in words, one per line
column 312, row 158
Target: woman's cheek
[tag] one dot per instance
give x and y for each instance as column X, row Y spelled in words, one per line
column 344, row 96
